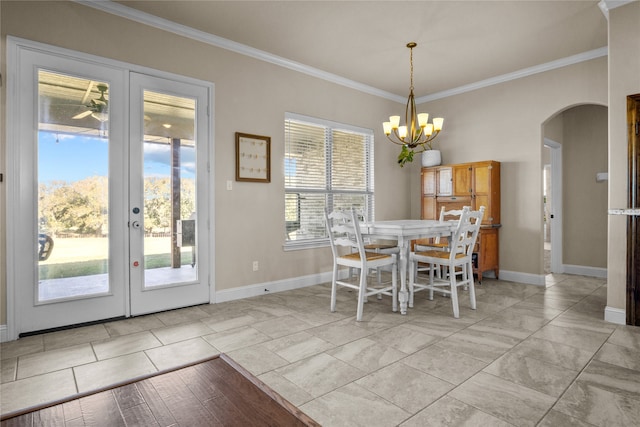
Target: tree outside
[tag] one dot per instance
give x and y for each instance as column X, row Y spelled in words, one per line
column 75, row 214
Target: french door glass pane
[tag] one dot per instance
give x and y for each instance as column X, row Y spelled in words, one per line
column 73, row 187
column 169, row 175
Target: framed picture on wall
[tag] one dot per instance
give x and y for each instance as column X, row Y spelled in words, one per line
column 253, row 158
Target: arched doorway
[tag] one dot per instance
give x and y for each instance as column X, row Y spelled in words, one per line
column 575, row 142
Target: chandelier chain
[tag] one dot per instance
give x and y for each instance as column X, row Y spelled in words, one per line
column 411, row 62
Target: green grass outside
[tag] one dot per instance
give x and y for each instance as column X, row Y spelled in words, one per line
column 99, row 266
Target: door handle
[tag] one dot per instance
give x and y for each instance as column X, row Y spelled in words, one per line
column 135, row 224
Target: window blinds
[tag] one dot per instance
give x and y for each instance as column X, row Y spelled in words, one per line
column 327, row 165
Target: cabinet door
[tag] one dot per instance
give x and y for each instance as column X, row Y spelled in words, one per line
column 486, row 184
column 429, row 207
column 429, row 193
column 428, row 181
column 487, row 251
column 462, row 182
column 445, row 181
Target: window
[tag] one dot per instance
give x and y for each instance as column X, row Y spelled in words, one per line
column 326, row 165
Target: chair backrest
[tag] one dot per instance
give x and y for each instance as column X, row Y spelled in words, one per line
column 448, row 215
column 466, row 234
column 343, row 228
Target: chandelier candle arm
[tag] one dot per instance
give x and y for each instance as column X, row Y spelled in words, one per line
column 416, row 134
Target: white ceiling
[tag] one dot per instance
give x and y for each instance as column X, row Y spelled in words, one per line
column 459, row 42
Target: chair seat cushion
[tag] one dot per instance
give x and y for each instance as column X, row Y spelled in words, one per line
column 438, row 254
column 439, row 245
column 370, row 256
column 374, row 246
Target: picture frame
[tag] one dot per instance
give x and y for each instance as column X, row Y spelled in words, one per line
column 253, row 157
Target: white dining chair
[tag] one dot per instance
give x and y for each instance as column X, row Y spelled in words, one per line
column 437, row 243
column 460, row 255
column 377, row 246
column 343, row 228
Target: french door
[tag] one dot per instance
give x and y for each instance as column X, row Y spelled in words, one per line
column 168, row 173
column 108, row 212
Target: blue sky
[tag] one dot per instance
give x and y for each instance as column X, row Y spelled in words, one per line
column 74, row 157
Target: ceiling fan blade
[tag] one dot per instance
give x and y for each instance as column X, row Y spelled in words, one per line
column 82, row 115
column 87, row 93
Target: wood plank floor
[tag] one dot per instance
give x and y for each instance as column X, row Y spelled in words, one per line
column 216, row 392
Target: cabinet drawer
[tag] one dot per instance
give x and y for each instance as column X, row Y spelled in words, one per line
column 451, row 203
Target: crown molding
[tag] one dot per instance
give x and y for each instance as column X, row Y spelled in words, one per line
column 525, row 72
column 126, row 12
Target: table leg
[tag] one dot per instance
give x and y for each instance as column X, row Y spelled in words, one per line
column 403, row 294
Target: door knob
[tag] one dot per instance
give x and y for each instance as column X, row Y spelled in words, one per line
column 135, row 224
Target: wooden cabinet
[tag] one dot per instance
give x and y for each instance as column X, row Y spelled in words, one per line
column 467, row 184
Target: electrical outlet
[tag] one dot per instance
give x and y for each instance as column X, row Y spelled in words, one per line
column 255, row 265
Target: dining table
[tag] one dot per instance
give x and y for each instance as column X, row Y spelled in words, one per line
column 404, row 231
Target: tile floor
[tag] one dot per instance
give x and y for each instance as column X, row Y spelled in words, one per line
column 527, row 356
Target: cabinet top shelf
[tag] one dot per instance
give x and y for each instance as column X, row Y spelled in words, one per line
column 470, row 164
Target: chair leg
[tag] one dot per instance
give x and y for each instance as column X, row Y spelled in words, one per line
column 333, row 288
column 413, row 267
column 472, row 287
column 394, row 291
column 432, row 267
column 361, row 294
column 366, row 283
column 454, row 292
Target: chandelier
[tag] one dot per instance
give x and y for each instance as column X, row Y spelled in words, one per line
column 416, row 135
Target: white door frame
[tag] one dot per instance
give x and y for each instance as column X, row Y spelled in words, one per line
column 555, row 223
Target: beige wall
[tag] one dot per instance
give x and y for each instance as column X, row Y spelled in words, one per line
column 504, row 123
column 585, row 204
column 624, row 80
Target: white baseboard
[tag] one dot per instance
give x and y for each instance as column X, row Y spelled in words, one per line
column 615, row 315
column 582, row 270
column 4, row 337
column 271, row 287
column 526, row 278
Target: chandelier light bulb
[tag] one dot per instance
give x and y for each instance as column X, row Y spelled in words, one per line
column 387, row 128
column 423, row 118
